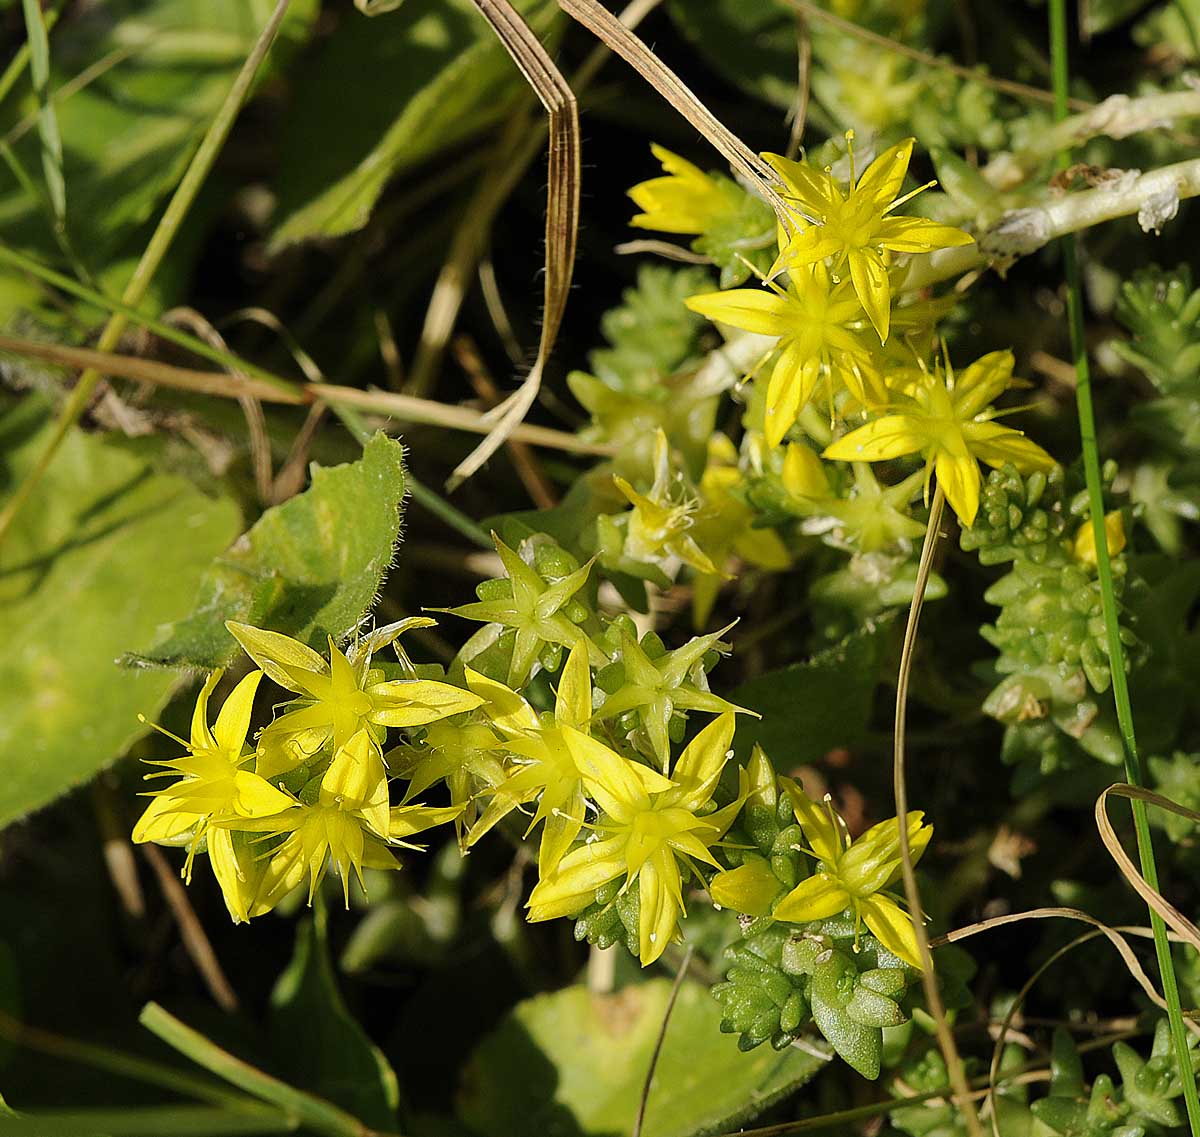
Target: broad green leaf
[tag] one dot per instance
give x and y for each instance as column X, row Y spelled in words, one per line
column 159, row 72
column 574, row 1062
column 813, row 707
column 426, row 77
column 318, row 1042
column 106, row 551
column 310, row 568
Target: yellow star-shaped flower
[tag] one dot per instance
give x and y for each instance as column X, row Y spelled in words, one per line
column 854, row 229
column 945, row 418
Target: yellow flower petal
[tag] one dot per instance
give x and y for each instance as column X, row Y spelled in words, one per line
column 888, row 437
column 918, row 235
column 233, row 722
column 658, row 908
column 573, row 885
column 871, row 286
column 506, row 710
column 749, row 889
column 1083, row 548
column 687, row 200
column 415, row 702
column 408, row 820
column 816, row 898
column 793, row 379
column 611, row 779
column 235, row 888
column 816, row 819
column 958, row 475
column 573, row 699
column 995, row 444
column 803, row 474
column 880, row 182
column 357, row 780
column 163, row 822
column 202, row 736
column 254, row 796
column 559, row 833
column 281, row 657
column 751, row 309
column 891, row 926
column 699, row 766
column 811, row 190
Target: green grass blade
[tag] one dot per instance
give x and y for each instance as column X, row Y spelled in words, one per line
column 161, row 240
column 149, row 1121
column 52, row 152
column 1116, row 652
column 317, row 1114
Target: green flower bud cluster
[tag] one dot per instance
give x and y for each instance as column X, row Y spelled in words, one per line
column 780, row 979
column 1143, row 1103
column 1051, row 614
column 640, row 383
column 541, row 605
column 828, row 972
column 612, row 918
column 1020, row 518
column 1177, row 778
column 1050, row 630
column 1162, row 310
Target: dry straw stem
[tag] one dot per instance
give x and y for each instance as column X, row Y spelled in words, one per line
column 518, row 148
column 1153, row 196
column 937, row 1009
column 1115, row 936
column 562, row 214
column 607, row 28
column 1118, row 116
column 191, row 930
column 406, row 408
column 1170, row 915
column 164, row 234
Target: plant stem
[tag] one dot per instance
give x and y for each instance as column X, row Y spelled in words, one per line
column 937, row 1010
column 1112, row 627
column 161, row 240
column 345, row 402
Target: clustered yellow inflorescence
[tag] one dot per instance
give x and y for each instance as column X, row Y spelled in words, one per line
column 335, row 778
column 316, row 789
column 844, row 332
